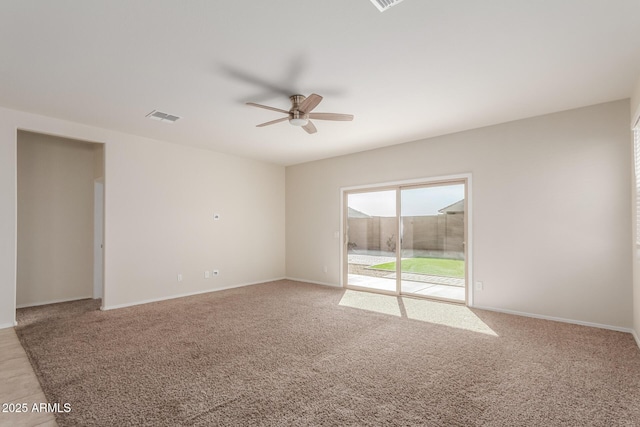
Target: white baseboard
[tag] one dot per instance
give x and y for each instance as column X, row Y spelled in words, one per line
column 188, row 294
column 333, row 285
column 7, row 325
column 55, row 301
column 557, row 319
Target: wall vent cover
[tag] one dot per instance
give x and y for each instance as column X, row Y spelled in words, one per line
column 383, row 5
column 163, row 117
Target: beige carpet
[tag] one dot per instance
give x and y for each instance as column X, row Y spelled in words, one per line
column 286, row 353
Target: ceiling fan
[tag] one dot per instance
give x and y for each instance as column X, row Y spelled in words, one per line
column 301, row 112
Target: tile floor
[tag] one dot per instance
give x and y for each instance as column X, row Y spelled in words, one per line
column 18, row 384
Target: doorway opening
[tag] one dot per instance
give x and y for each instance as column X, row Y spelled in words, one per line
column 60, row 235
column 408, row 239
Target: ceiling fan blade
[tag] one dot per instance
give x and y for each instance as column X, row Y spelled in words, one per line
column 310, row 127
column 253, row 104
column 272, row 122
column 331, row 116
column 309, row 103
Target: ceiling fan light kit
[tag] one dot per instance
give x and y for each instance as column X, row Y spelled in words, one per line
column 301, row 112
column 299, row 121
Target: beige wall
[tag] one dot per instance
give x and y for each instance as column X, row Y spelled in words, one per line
column 55, row 219
column 635, row 103
column 561, row 178
column 160, row 200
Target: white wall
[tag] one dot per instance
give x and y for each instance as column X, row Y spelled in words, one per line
column 563, row 176
column 7, row 223
column 550, row 210
column 635, row 115
column 55, row 219
column 160, row 199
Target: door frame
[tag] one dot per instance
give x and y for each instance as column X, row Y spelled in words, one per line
column 98, row 238
column 468, row 223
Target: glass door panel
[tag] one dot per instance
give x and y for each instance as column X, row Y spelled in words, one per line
column 372, row 240
column 432, row 243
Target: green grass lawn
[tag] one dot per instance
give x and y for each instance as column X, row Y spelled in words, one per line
column 432, row 266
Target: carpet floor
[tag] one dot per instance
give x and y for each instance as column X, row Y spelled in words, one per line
column 288, row 353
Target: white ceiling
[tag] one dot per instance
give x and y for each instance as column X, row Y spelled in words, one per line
column 422, row 68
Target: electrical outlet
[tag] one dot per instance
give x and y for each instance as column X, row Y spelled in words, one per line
column 216, row 216
column 179, row 277
column 325, row 269
column 207, row 274
column 479, row 286
column 216, row 272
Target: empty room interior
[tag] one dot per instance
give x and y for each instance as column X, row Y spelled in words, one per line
column 371, row 212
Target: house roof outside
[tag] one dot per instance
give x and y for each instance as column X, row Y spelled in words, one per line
column 457, row 207
column 353, row 213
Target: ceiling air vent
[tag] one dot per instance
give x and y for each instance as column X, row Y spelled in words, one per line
column 163, row 117
column 383, row 5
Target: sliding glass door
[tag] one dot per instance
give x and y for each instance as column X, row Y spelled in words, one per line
column 407, row 240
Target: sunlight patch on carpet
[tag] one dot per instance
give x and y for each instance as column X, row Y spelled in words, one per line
column 452, row 315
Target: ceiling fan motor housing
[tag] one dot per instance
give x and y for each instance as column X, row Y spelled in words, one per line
column 297, row 118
